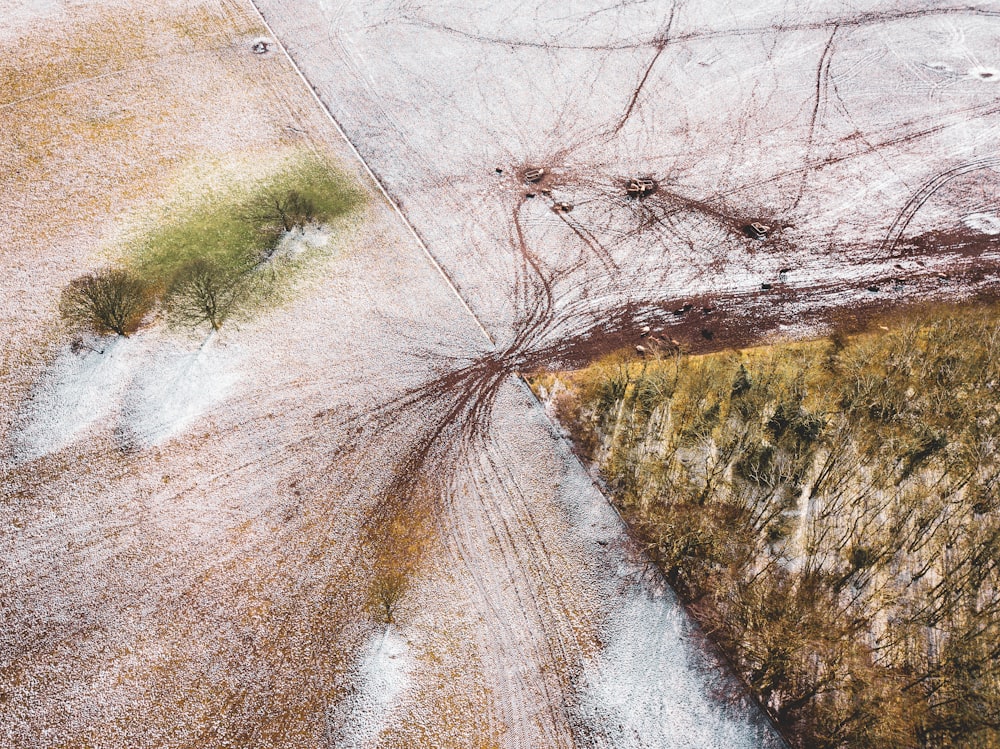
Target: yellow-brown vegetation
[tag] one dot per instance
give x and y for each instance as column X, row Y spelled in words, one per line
column 829, row 509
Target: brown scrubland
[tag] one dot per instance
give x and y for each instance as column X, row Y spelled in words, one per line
column 828, row 509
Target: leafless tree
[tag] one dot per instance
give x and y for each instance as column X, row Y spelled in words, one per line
column 388, row 590
column 110, row 301
column 205, row 292
column 285, row 211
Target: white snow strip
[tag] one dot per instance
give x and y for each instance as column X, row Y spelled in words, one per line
column 383, row 676
column 646, row 691
column 292, row 244
column 150, row 390
column 174, row 388
column 79, row 390
column 987, row 223
column 653, row 685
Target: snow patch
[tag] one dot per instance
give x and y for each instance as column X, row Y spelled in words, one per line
column 648, row 690
column 174, row 389
column 986, row 223
column 79, row 390
column 150, row 390
column 654, row 684
column 18, row 17
column 383, row 676
column 294, row 243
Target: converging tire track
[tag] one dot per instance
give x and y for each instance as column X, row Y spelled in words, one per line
column 576, row 278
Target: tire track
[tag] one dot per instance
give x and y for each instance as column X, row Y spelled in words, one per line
column 820, row 97
column 899, row 225
column 664, row 39
column 498, row 644
column 525, row 542
column 859, row 20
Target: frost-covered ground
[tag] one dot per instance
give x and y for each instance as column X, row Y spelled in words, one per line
column 189, row 532
column 862, row 133
column 149, row 390
column 382, row 678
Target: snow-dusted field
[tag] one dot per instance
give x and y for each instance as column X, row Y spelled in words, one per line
column 189, row 529
column 862, row 133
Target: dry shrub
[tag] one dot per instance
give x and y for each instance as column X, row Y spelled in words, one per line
column 398, row 542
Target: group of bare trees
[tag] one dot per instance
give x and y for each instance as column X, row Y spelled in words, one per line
column 203, row 291
column 830, row 512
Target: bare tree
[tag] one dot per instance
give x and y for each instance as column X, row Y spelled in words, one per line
column 110, row 301
column 203, row 291
column 387, row 591
column 286, row 211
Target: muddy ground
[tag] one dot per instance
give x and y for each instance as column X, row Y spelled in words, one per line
column 208, row 584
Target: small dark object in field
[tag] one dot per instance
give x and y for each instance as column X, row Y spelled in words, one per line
column 78, row 347
column 499, row 170
column 534, row 175
column 562, row 207
column 756, row 230
column 261, row 48
column 529, row 194
column 707, row 334
column 765, row 286
column 640, row 187
column 707, row 310
column 873, row 288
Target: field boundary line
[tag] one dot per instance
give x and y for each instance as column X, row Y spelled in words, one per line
column 560, row 438
column 378, row 182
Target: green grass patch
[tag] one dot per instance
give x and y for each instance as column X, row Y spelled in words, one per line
column 218, row 259
column 234, row 230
